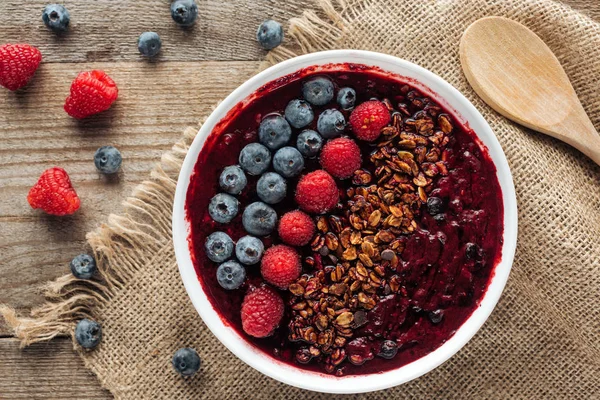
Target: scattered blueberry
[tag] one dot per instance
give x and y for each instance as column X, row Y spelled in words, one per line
column 274, row 131
column 259, row 219
column 309, row 143
column 219, row 246
column 436, row 316
column 318, row 90
column 269, row 34
column 271, row 188
column 223, row 208
column 149, row 44
column 299, row 113
column 331, row 123
column 108, row 159
column 83, row 266
column 388, row 350
column 231, row 275
column 249, row 250
column 88, row 333
column 435, row 205
column 346, row 98
column 184, row 12
column 186, row 361
column 233, row 180
column 288, row 162
column 255, row 158
column 56, row 17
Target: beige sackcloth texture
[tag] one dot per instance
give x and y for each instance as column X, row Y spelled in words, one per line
column 541, row 342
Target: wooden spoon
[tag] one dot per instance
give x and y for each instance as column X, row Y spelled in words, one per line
column 514, row 72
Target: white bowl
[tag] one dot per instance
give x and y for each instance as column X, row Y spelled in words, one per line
column 443, row 92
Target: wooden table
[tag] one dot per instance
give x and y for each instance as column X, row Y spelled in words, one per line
column 157, row 100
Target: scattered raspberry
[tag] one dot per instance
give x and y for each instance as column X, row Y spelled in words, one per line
column 18, row 63
column 280, row 266
column 317, row 192
column 296, row 228
column 262, row 311
column 341, row 157
column 54, row 193
column 91, row 92
column 368, row 118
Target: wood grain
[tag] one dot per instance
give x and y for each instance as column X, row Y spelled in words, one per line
column 107, row 30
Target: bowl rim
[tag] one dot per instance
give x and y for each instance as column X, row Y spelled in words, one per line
column 443, row 92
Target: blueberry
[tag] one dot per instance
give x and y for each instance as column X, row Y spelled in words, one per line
column 186, row 361
column 274, row 131
column 231, row 275
column 472, row 251
column 83, row 266
column 249, row 250
column 223, row 208
column 318, row 90
column 436, row 316
column 299, row 113
column 219, row 246
column 435, row 205
column 388, row 350
column 149, row 44
column 288, row 162
column 108, row 159
column 331, row 123
column 309, row 143
column 271, row 188
column 269, row 34
column 88, row 333
column 184, row 12
column 259, row 219
column 56, row 17
column 255, row 158
column 233, row 180
column 346, row 98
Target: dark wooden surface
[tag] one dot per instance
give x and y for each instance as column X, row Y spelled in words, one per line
column 197, row 67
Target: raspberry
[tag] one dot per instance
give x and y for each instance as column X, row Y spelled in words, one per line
column 18, row 63
column 280, row 266
column 54, row 193
column 341, row 157
column 296, row 228
column 262, row 310
column 368, row 118
column 91, row 92
column 317, row 192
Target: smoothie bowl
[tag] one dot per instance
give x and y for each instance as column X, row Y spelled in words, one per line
column 345, row 221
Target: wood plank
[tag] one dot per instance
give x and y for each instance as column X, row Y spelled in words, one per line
column 107, row 30
column 156, row 103
column 45, row 371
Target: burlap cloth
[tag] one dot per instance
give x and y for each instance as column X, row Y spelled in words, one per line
column 542, row 341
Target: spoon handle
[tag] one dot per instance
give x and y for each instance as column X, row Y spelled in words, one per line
column 578, row 131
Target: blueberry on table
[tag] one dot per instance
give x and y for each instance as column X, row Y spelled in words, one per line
column 318, row 91
column 346, row 98
column 149, row 44
column 88, row 333
column 56, row 17
column 331, row 123
column 388, row 350
column 223, row 208
column 249, row 250
column 274, row 131
column 288, row 162
column 186, row 361
column 233, row 180
column 269, row 34
column 108, row 160
column 299, row 113
column 219, row 246
column 184, row 12
column 309, row 143
column 255, row 158
column 271, row 188
column 259, row 219
column 231, row 275
column 83, row 266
